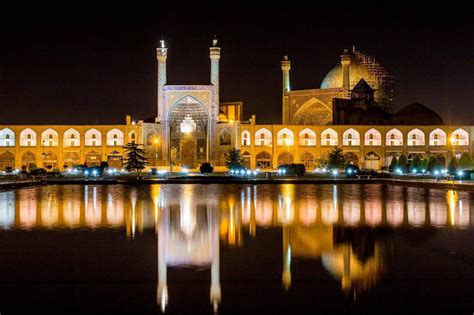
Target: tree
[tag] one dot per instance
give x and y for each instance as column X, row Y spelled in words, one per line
column 393, row 164
column 402, row 163
column 415, row 164
column 453, row 166
column 336, row 158
column 465, row 162
column 134, row 159
column 433, row 164
column 234, row 159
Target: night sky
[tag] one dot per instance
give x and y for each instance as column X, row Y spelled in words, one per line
column 93, row 65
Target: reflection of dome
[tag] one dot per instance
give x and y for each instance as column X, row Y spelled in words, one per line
column 356, row 72
column 354, row 273
column 416, row 114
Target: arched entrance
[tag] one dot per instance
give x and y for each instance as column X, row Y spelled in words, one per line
column 372, row 161
column 285, row 158
column 308, row 160
column 264, row 160
column 50, row 160
column 7, row 159
column 93, row 158
column 188, row 133
column 28, row 159
column 115, row 159
column 71, row 159
column 352, row 158
column 246, row 159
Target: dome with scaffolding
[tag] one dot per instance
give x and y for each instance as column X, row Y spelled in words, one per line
column 364, row 67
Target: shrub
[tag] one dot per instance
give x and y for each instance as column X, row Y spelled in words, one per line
column 402, row 163
column 433, row 165
column 453, row 166
column 393, row 164
column 206, row 168
column 415, row 164
column 465, row 162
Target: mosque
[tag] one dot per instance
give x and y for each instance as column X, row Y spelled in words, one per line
column 352, row 109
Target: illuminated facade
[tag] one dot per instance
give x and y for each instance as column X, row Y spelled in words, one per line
column 192, row 126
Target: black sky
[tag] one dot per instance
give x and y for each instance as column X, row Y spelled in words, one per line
column 87, row 64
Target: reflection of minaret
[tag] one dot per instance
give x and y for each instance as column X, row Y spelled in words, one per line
column 162, row 290
column 286, row 276
column 346, row 275
column 215, row 265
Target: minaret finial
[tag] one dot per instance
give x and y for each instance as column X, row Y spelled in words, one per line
column 162, row 42
column 214, row 41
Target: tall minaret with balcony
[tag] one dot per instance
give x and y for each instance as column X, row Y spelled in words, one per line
column 161, row 55
column 215, row 55
column 285, row 68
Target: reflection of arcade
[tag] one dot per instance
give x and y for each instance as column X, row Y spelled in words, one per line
column 356, row 257
column 188, row 235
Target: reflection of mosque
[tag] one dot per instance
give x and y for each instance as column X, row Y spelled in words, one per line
column 343, row 226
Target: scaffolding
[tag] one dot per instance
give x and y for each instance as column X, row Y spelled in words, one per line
column 385, row 93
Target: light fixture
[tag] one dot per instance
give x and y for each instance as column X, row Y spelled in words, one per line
column 188, row 125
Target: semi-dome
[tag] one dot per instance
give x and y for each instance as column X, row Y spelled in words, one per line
column 416, row 114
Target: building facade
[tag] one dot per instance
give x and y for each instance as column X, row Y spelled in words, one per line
column 192, row 126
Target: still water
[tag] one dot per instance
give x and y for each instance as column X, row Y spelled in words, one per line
column 236, row 249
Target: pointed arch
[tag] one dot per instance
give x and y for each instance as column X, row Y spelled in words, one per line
column 263, row 137
column 225, row 137
column 394, row 137
column 49, row 138
column 246, row 138
column 7, row 138
column 71, row 138
column 28, row 138
column 308, row 160
column 285, row 137
column 416, row 137
column 307, row 137
column 437, row 137
column 115, row 137
column 460, row 137
column 263, row 160
column 7, row 159
column 93, row 138
column 372, row 137
column 351, row 137
column 329, row 137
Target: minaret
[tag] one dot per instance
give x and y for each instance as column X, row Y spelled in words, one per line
column 285, row 68
column 215, row 55
column 161, row 55
column 345, row 62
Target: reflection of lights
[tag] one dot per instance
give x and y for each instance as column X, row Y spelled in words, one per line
column 452, row 199
column 187, row 215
